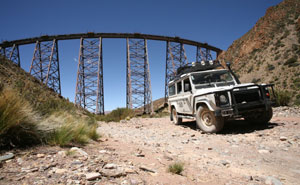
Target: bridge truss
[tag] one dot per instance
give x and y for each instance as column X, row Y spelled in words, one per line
column 89, row 85
column 139, row 93
column 175, row 58
column 45, row 64
column 11, row 53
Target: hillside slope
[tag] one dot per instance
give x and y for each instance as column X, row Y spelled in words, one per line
column 269, row 52
column 43, row 99
column 30, row 111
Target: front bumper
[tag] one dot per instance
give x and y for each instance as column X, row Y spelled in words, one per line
column 239, row 108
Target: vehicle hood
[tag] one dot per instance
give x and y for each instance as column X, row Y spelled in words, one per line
column 224, row 88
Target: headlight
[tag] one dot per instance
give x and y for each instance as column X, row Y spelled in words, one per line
column 222, row 98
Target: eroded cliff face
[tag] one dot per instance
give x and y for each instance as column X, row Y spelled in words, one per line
column 270, row 51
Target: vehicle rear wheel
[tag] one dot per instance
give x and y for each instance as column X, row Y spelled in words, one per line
column 207, row 121
column 175, row 119
column 260, row 117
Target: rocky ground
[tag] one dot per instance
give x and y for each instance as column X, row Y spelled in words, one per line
column 140, row 151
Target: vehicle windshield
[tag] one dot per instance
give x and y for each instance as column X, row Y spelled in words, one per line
column 212, row 79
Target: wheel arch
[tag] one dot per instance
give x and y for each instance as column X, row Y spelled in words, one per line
column 203, row 103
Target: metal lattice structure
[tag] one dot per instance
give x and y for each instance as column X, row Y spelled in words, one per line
column 45, row 64
column 11, row 53
column 138, row 76
column 89, row 86
column 203, row 54
column 175, row 58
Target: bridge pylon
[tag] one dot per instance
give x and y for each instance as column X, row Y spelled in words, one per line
column 175, row 58
column 11, row 53
column 138, row 92
column 203, row 54
column 89, row 85
column 45, row 64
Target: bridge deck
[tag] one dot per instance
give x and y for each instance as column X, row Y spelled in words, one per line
column 108, row 35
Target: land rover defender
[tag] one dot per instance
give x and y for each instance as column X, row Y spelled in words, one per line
column 212, row 94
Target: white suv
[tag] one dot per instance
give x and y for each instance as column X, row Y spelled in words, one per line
column 212, row 94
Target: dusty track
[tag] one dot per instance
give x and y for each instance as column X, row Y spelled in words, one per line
column 241, row 154
column 139, row 151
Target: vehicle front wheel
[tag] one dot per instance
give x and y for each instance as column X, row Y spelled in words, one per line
column 175, row 119
column 207, row 121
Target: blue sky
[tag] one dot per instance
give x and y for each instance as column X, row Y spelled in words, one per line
column 217, row 22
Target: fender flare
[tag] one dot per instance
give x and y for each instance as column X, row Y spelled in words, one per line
column 203, row 102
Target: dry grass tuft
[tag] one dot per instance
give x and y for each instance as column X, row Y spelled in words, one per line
column 18, row 122
column 71, row 131
column 176, row 168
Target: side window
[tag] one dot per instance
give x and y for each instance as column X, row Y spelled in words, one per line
column 179, row 87
column 172, row 90
column 187, row 85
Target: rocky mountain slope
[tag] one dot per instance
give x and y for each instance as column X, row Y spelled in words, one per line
column 269, row 52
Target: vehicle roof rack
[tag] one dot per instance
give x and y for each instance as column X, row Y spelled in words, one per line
column 199, row 66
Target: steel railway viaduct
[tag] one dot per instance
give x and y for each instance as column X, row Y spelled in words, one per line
column 89, row 85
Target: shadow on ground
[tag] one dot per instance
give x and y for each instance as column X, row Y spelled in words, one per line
column 235, row 127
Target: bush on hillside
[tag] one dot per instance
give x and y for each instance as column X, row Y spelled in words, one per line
column 292, row 62
column 297, row 101
column 31, row 113
column 20, row 126
column 283, row 98
column 18, row 122
column 117, row 115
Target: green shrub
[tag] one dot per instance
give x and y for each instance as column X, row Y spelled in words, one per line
column 270, row 67
column 176, row 168
column 283, row 98
column 297, row 83
column 255, row 80
column 292, row 62
column 250, row 69
column 277, row 57
column 116, row 115
column 297, row 100
column 17, row 121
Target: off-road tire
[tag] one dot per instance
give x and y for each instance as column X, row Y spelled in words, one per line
column 207, row 121
column 174, row 117
column 261, row 118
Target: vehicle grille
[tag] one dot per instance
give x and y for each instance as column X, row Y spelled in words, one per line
column 242, row 97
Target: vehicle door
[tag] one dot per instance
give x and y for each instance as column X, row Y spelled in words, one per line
column 186, row 96
column 179, row 97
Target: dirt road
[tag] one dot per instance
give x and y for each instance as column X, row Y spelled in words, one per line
column 140, row 151
column 241, row 154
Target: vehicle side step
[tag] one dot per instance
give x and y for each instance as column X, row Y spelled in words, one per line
column 186, row 117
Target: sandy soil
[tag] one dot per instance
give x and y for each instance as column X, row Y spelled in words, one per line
column 140, row 151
